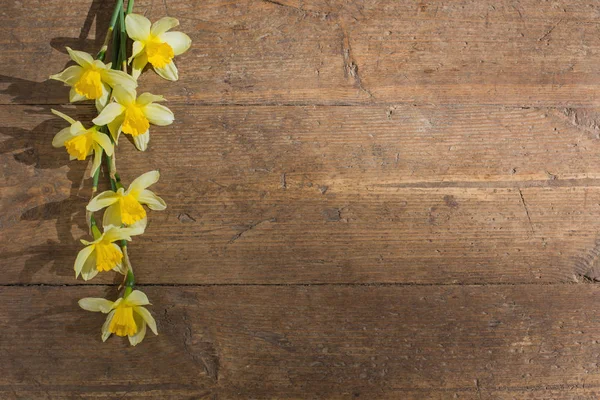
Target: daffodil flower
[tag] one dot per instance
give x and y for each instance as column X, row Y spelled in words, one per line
column 155, row 45
column 81, row 142
column 126, row 316
column 125, row 206
column 90, row 79
column 133, row 115
column 103, row 254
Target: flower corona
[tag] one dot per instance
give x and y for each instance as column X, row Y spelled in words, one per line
column 112, row 88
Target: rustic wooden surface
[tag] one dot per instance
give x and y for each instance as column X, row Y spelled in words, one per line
column 366, row 199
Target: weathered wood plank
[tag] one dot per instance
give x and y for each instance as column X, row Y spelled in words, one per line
column 304, row 342
column 325, row 194
column 332, row 52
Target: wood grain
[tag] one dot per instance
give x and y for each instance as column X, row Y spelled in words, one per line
column 380, row 199
column 325, row 194
column 309, row 342
column 332, row 52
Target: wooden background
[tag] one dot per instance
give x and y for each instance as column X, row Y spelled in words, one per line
column 380, row 199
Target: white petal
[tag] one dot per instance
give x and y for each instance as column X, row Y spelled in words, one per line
column 104, row 199
column 108, row 114
column 77, row 129
column 137, row 48
column 112, row 216
column 89, row 269
column 105, row 331
column 138, row 65
column 138, row 27
column 104, row 141
column 70, row 75
column 141, row 141
column 114, row 128
column 138, row 227
column 163, row 25
column 124, row 95
column 147, row 317
column 168, row 72
column 147, row 98
column 151, row 200
column 102, row 101
column 158, row 114
column 82, row 257
column 80, row 57
column 140, row 334
column 63, row 116
column 61, row 137
column 116, row 233
column 119, row 78
column 96, row 304
column 179, row 41
column 143, row 181
column 74, row 96
column 137, row 298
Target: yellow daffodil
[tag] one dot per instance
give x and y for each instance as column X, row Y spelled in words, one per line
column 103, row 254
column 155, row 45
column 90, row 79
column 125, row 206
column 133, row 115
column 81, row 142
column 126, row 316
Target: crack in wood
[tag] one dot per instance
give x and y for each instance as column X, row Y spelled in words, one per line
column 526, row 210
column 248, row 228
column 350, row 66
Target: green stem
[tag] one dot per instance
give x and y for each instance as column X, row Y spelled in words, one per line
column 111, row 27
column 130, row 279
column 123, row 39
column 129, row 7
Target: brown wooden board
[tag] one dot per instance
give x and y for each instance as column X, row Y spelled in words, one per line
column 528, row 52
column 309, row 342
column 322, row 194
column 366, row 199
